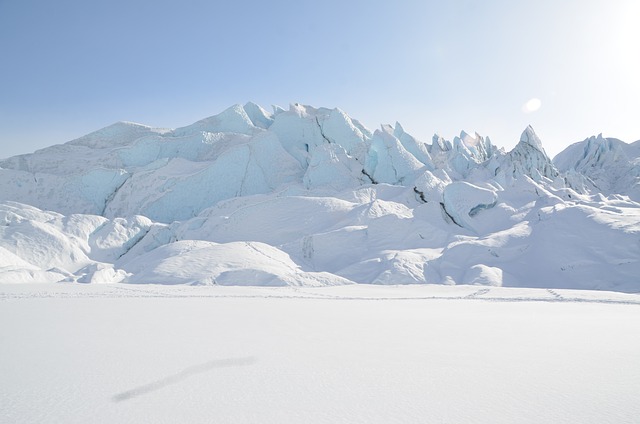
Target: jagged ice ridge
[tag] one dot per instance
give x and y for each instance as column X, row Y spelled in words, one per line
column 309, row 196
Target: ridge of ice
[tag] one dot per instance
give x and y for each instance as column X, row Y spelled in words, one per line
column 231, row 120
column 530, row 137
column 310, row 196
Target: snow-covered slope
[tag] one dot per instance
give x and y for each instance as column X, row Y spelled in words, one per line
column 309, row 196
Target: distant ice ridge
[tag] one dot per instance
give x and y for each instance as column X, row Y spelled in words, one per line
column 602, row 165
column 166, row 175
column 309, row 196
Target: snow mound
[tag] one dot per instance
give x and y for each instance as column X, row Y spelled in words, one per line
column 235, row 263
column 483, row 275
column 45, row 246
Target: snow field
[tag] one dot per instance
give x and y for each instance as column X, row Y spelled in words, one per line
column 407, row 354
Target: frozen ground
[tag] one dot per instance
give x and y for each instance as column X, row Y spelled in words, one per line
column 116, row 353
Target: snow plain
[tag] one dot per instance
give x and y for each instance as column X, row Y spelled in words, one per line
column 110, row 353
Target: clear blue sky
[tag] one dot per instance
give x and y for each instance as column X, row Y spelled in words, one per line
column 68, row 67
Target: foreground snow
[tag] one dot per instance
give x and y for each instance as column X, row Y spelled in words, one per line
column 110, row 353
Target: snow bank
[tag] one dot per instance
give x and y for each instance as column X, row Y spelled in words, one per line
column 236, row 263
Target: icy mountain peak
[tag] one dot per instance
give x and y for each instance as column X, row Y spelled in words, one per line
column 592, row 152
column 530, row 137
column 258, row 116
column 529, row 159
column 231, row 120
column 277, row 109
column 387, row 128
column 439, row 144
column 417, row 148
column 468, row 139
column 398, row 130
column 603, row 164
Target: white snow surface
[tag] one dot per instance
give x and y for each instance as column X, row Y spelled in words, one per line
column 310, row 197
column 117, row 353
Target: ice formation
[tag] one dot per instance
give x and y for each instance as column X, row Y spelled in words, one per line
column 309, row 196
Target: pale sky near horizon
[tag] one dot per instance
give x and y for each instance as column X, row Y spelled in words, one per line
column 570, row 68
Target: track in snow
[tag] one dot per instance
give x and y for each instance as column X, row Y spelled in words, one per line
column 358, row 292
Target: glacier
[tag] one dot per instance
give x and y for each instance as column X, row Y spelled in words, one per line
column 311, row 197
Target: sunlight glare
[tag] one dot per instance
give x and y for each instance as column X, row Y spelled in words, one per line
column 531, row 105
